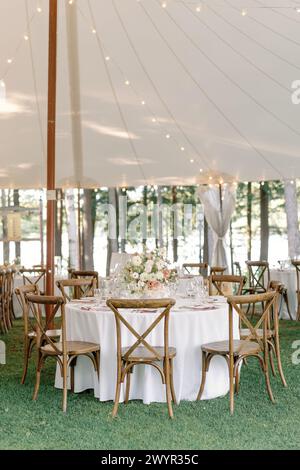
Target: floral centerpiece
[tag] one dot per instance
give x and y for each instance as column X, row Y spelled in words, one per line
column 148, row 272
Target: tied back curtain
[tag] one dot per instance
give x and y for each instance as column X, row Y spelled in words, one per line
column 218, row 214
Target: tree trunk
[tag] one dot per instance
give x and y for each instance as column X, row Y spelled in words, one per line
column 112, row 241
column 291, row 209
column 87, row 232
column 145, row 215
column 72, row 228
column 4, row 228
column 122, row 218
column 264, row 221
column 249, row 221
column 175, row 224
column 17, row 204
column 159, row 241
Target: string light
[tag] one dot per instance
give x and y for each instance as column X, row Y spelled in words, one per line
column 143, row 102
column 164, row 5
column 9, row 61
column 192, row 160
column 297, row 9
column 182, row 149
column 94, row 31
column 198, row 8
column 39, row 10
column 153, row 120
column 127, row 82
column 70, row 2
column 26, row 37
column 244, row 12
column 201, row 170
column 107, row 58
column 168, row 136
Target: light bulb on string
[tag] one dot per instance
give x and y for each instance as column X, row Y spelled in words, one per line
column 9, row 61
column 26, row 37
column 244, row 12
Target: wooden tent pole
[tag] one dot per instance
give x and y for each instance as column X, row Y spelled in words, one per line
column 51, row 193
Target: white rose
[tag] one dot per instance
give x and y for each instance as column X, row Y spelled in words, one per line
column 144, row 277
column 136, row 260
column 135, row 275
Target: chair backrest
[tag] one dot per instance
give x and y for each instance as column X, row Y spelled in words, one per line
column 269, row 300
column 296, row 264
column 44, row 323
column 85, row 275
column 34, row 276
column 21, row 293
column 225, row 283
column 259, row 274
column 164, row 315
column 216, row 270
column 202, row 268
column 80, row 287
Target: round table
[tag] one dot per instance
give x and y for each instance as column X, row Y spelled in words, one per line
column 189, row 329
column 289, row 279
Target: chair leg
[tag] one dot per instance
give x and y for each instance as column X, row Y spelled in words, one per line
column 27, row 347
column 118, row 391
column 38, row 376
column 168, row 389
column 237, row 380
column 72, row 376
column 128, row 377
column 272, row 361
column 278, row 356
column 65, row 383
column 203, row 379
column 265, row 366
column 172, row 383
column 231, row 386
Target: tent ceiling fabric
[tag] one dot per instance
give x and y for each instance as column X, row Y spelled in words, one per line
column 218, row 84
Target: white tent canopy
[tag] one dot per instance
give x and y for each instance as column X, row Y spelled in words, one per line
column 174, row 92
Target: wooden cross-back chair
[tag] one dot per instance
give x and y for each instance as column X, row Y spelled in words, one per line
column 283, row 292
column 141, row 351
column 65, row 352
column 202, row 268
column 6, row 299
column 216, row 270
column 30, row 335
column 85, row 275
column 259, row 276
column 296, row 264
column 80, row 288
column 34, row 276
column 254, row 344
column 4, row 317
column 225, row 283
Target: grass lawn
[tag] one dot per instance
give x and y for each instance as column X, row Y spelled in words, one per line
column 256, row 424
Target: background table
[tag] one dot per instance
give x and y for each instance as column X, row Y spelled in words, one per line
column 189, row 329
column 289, row 279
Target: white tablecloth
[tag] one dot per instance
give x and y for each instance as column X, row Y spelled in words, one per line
column 289, row 279
column 189, row 329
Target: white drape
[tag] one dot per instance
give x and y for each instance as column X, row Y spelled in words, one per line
column 218, row 214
